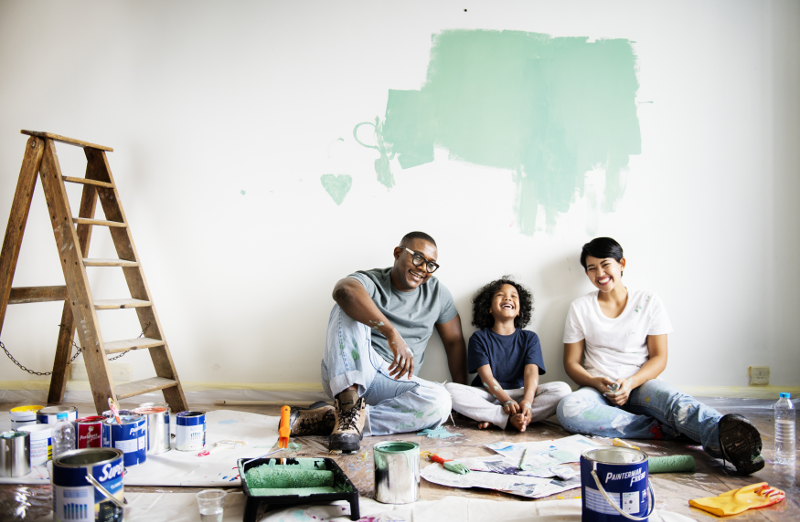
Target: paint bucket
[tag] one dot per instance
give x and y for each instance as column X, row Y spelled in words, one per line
column 41, row 442
column 89, row 432
column 109, row 415
column 157, row 428
column 77, row 497
column 15, row 453
column 396, row 472
column 190, row 431
column 614, row 485
column 23, row 415
column 49, row 415
column 130, row 436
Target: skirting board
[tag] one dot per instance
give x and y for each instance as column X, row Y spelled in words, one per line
column 744, row 392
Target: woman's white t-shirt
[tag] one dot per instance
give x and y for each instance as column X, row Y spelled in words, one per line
column 616, row 348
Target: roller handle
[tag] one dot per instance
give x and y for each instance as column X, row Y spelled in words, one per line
column 285, row 428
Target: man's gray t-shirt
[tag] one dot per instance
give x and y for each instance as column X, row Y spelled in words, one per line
column 413, row 313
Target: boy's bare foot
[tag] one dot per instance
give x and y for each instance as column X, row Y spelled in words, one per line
column 484, row 425
column 519, row 421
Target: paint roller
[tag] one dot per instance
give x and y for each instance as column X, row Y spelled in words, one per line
column 290, row 476
column 669, row 464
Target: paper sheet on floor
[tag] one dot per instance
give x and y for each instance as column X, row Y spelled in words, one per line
column 185, row 468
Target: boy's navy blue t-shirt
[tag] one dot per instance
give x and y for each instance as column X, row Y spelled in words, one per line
column 506, row 355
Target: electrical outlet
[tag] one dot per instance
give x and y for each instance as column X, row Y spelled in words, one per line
column 759, row 375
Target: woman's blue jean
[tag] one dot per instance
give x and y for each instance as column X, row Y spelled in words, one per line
column 654, row 410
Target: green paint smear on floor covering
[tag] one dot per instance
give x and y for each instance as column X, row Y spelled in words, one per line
column 549, row 109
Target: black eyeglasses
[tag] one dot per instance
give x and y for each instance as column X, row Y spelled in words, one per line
column 418, row 260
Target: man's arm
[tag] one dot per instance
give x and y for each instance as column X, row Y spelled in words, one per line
column 353, row 299
column 455, row 348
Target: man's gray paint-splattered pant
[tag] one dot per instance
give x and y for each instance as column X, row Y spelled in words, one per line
column 654, row 410
column 393, row 406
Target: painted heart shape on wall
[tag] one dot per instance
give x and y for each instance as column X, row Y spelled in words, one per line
column 337, row 185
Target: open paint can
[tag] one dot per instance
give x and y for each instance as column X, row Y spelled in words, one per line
column 15, row 453
column 87, row 485
column 396, row 472
column 157, row 428
column 614, row 485
column 50, row 414
column 190, row 431
column 128, row 436
column 41, row 442
column 23, row 415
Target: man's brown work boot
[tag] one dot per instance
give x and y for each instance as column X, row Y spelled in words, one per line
column 351, row 414
column 317, row 419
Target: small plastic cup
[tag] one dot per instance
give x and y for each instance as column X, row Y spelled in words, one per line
column 210, row 503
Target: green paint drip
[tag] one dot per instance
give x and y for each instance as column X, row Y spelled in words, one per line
column 382, row 168
column 337, row 186
column 354, row 354
column 547, row 109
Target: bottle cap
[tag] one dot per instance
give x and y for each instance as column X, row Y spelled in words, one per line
column 785, row 395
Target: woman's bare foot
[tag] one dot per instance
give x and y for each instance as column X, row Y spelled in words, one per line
column 519, row 421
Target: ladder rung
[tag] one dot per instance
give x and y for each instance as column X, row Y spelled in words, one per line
column 100, row 222
column 85, row 181
column 111, row 304
column 37, row 294
column 132, row 344
column 109, row 262
column 129, row 389
column 64, row 139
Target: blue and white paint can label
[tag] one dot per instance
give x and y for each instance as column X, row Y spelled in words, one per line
column 622, row 475
column 41, row 442
column 74, row 498
column 130, row 437
column 50, row 414
column 190, row 431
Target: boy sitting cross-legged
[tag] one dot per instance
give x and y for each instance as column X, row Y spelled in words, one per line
column 508, row 361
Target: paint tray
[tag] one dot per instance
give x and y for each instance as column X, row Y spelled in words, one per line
column 341, row 489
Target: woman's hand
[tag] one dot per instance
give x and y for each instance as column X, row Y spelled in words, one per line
column 619, row 392
column 602, row 384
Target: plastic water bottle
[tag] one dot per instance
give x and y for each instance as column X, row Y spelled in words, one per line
column 784, row 430
column 63, row 436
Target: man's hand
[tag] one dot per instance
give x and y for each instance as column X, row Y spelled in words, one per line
column 403, row 362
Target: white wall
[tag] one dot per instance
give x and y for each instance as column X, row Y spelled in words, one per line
column 203, row 100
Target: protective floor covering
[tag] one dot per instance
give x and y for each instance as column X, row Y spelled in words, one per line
column 672, row 490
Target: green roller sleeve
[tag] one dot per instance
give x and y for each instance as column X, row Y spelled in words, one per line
column 284, row 477
column 670, row 464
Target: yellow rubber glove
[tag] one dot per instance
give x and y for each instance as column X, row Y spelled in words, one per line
column 738, row 500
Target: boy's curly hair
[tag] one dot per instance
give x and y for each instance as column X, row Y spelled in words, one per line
column 482, row 302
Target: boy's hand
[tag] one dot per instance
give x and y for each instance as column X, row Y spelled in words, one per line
column 525, row 407
column 403, row 362
column 511, row 407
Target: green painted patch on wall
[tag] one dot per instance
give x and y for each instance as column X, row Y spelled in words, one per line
column 337, row 186
column 549, row 109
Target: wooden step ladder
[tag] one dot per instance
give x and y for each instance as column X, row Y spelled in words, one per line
column 72, row 236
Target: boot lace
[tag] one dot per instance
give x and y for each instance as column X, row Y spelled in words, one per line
column 348, row 418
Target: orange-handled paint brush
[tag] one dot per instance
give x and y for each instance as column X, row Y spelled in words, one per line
column 285, row 427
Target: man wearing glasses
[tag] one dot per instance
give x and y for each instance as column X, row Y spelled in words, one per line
column 377, row 334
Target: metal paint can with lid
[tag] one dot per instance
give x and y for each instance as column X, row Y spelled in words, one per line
column 615, row 485
column 396, row 472
column 190, row 431
column 157, row 428
column 50, row 414
column 129, row 436
column 23, row 415
column 77, row 497
column 15, row 453
column 89, row 432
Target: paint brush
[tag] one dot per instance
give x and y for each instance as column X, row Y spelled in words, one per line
column 449, row 465
column 114, row 410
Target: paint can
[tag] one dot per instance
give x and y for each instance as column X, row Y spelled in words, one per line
column 15, row 453
column 109, row 415
column 157, row 428
column 190, row 431
column 396, row 472
column 49, row 415
column 89, row 432
column 614, row 485
column 41, row 442
column 23, row 415
column 129, row 436
column 76, row 497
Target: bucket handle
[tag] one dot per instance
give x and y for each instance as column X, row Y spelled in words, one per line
column 105, row 492
column 650, row 504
